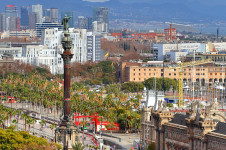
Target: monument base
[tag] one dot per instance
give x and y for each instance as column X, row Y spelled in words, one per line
column 67, row 135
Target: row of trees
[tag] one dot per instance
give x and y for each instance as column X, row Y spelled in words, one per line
column 11, row 139
column 46, row 96
column 160, row 84
column 95, row 73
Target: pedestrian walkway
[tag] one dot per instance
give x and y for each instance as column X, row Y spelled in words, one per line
column 124, row 140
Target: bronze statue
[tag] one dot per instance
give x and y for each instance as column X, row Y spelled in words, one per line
column 65, row 23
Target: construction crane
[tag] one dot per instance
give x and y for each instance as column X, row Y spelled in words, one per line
column 181, row 67
column 105, row 56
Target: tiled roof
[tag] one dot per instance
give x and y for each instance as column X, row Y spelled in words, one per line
column 220, row 128
column 179, row 119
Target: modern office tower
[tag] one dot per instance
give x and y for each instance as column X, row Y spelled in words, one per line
column 2, row 22
column 38, row 9
column 46, row 12
column 33, row 19
column 11, row 23
column 54, row 15
column 69, row 14
column 24, row 16
column 82, row 22
column 41, row 26
column 90, row 21
column 11, row 11
column 11, row 16
column 101, row 15
column 46, row 15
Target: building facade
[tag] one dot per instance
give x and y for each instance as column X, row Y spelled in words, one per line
column 159, row 50
column 46, row 25
column 193, row 130
column 39, row 11
column 101, row 15
column 24, row 16
column 2, row 22
column 54, row 15
column 82, row 22
column 94, row 52
column 139, row 72
column 11, row 14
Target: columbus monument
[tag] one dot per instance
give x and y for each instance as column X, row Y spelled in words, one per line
column 67, row 133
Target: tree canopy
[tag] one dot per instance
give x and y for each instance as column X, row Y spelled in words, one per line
column 132, row 87
column 168, row 84
column 15, row 140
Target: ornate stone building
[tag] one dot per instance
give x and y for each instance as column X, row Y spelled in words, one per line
column 194, row 130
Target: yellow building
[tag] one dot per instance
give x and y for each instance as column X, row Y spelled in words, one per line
column 139, row 72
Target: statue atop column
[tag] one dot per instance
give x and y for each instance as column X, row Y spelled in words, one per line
column 65, row 23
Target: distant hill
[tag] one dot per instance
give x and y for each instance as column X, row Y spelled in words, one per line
column 145, row 10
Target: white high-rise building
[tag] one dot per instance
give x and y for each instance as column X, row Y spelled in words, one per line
column 38, row 9
column 94, row 52
column 79, row 42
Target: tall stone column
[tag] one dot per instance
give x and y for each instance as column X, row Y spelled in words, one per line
column 67, row 133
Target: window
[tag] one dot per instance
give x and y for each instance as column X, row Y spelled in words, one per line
column 134, row 69
column 139, row 74
column 189, row 69
column 144, row 69
column 134, row 74
column 185, row 74
column 144, row 74
column 149, row 74
column 134, row 79
column 161, row 74
column 154, row 69
column 210, row 73
column 169, row 74
column 149, row 69
column 215, row 73
column 174, row 74
column 161, row 70
column 174, row 69
column 220, row 73
column 139, row 69
column 184, row 69
column 139, row 78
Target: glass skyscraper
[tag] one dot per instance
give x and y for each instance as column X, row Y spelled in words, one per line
column 24, row 16
column 101, row 15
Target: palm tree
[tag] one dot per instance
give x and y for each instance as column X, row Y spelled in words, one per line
column 33, row 121
column 10, row 111
column 52, row 126
column 29, row 122
column 110, row 126
column 84, row 124
column 42, row 123
column 15, row 122
column 78, row 146
column 25, row 117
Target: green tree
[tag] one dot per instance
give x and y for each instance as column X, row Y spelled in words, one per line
column 78, row 146
column 42, row 123
column 52, row 126
column 132, row 87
